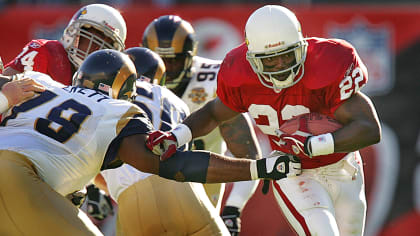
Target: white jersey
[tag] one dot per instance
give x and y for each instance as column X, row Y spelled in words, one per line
column 69, row 133
column 165, row 110
column 200, row 90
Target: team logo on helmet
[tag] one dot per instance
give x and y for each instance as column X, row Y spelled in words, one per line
column 198, row 95
column 111, row 28
column 82, row 11
column 274, row 44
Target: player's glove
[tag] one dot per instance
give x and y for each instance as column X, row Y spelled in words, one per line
column 99, row 205
column 276, row 166
column 296, row 145
column 231, row 217
column 77, row 198
column 162, row 143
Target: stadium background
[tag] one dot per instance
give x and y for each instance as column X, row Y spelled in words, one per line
column 387, row 37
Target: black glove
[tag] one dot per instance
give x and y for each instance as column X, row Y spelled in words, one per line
column 278, row 166
column 266, row 186
column 77, row 198
column 99, row 205
column 231, row 218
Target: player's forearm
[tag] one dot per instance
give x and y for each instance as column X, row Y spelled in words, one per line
column 204, row 167
column 240, row 137
column 226, row 169
column 207, row 167
column 361, row 125
column 203, row 120
column 355, row 136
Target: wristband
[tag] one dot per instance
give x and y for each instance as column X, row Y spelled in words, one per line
column 253, row 170
column 182, row 134
column 4, row 103
column 321, row 144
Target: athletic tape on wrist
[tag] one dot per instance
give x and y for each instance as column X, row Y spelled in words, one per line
column 322, row 144
column 4, row 103
column 253, row 170
column 182, row 134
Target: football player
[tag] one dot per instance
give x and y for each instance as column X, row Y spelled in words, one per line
column 54, row 143
column 92, row 27
column 278, row 74
column 187, row 210
column 194, row 80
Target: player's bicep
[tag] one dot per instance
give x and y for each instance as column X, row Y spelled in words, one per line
column 220, row 111
column 357, row 107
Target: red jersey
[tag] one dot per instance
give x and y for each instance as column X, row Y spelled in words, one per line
column 46, row 56
column 333, row 72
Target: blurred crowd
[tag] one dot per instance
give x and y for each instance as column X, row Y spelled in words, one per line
column 173, row 2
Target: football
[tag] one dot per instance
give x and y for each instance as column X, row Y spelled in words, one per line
column 317, row 124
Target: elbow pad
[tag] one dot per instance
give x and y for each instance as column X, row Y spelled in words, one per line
column 188, row 166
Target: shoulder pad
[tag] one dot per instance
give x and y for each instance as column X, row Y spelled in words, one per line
column 327, row 61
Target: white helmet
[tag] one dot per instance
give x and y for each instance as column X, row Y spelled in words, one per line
column 103, row 18
column 275, row 31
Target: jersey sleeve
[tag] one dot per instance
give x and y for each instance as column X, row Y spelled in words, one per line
column 133, row 122
column 230, row 95
column 34, row 57
column 351, row 77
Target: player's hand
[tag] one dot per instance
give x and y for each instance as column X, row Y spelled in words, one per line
column 19, row 90
column 231, row 217
column 162, row 143
column 278, row 166
column 99, row 205
column 296, row 145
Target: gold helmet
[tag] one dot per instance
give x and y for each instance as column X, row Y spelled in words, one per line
column 149, row 65
column 175, row 41
column 108, row 71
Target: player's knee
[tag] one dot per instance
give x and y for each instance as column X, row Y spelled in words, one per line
column 321, row 222
column 352, row 225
